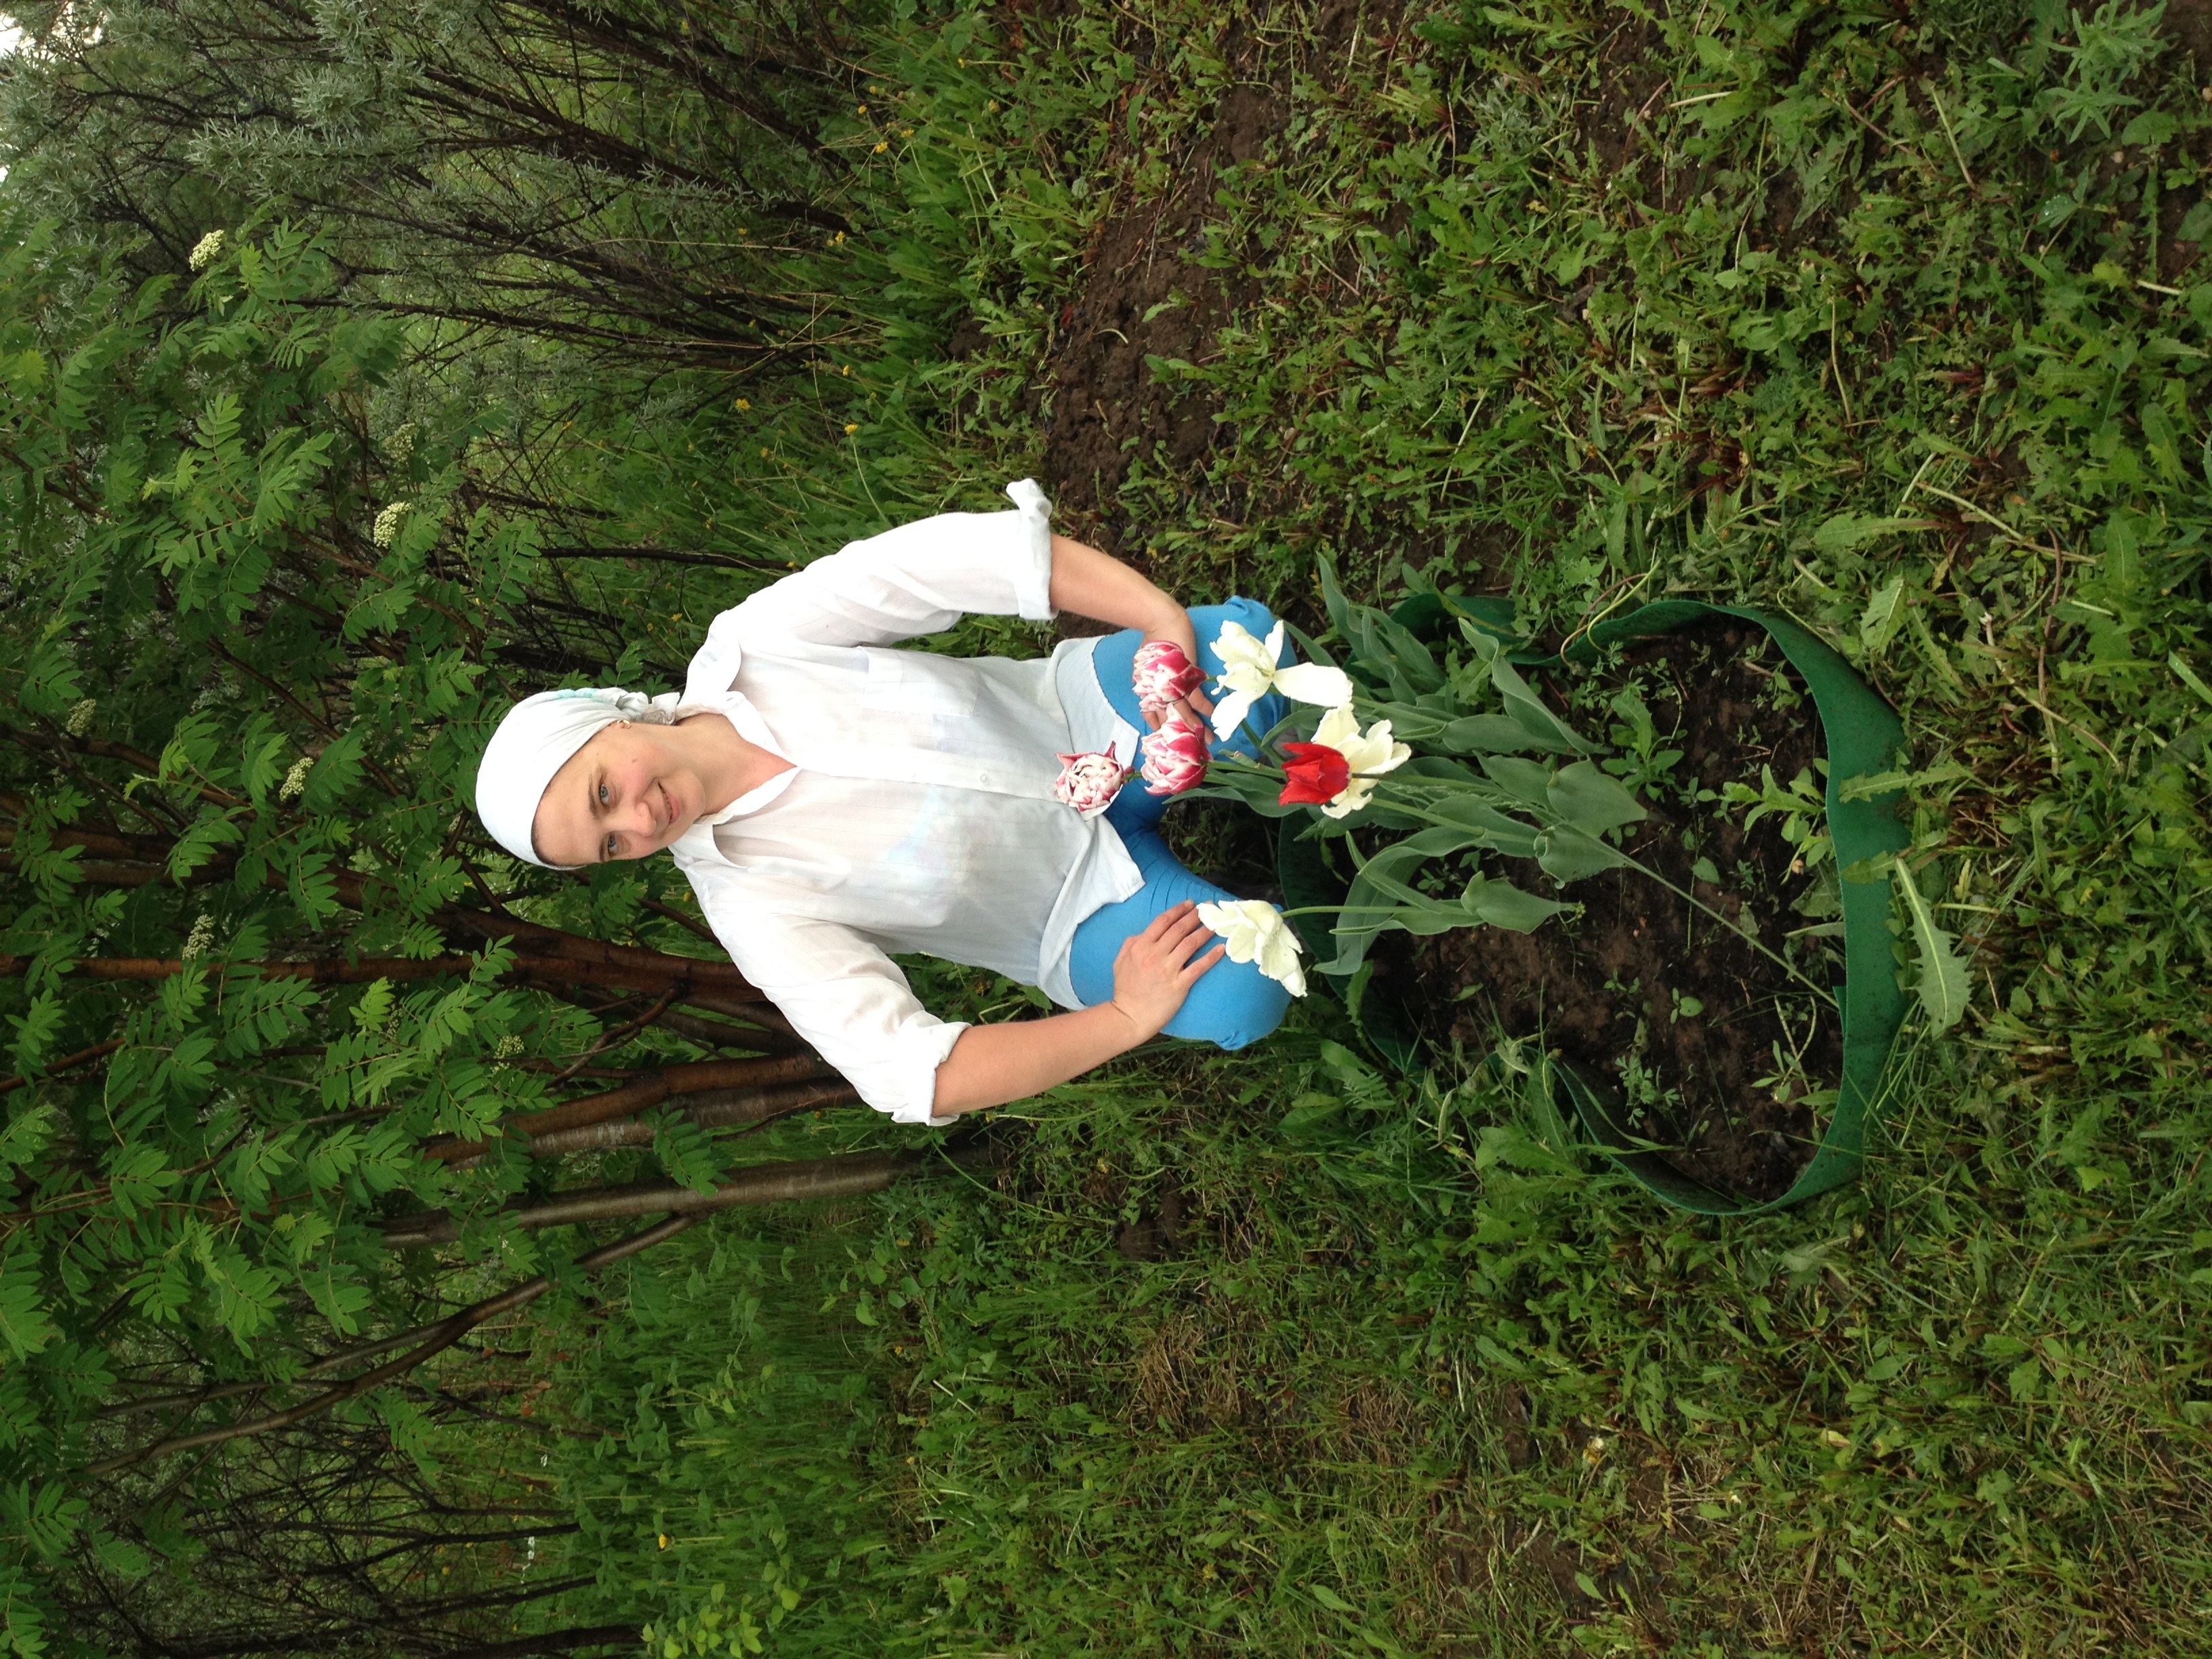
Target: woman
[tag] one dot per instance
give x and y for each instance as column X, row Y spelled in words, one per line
column 833, row 801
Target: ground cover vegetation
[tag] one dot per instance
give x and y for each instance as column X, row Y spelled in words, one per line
column 1887, row 319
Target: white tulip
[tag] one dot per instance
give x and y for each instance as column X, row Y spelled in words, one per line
column 1256, row 932
column 1249, row 670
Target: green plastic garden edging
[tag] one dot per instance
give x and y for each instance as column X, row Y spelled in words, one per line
column 1863, row 735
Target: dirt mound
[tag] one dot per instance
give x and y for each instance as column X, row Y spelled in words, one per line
column 1724, row 1059
column 1148, row 297
column 1149, row 292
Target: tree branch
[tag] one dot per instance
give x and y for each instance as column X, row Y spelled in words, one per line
column 436, row 1339
column 848, row 1174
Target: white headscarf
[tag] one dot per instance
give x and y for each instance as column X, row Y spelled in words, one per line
column 536, row 740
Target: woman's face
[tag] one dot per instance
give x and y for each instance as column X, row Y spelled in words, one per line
column 624, row 795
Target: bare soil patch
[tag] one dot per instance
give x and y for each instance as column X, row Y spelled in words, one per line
column 2189, row 23
column 1148, row 297
column 1723, row 1058
column 1154, row 287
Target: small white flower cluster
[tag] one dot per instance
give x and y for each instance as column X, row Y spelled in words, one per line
column 400, row 445
column 296, row 778
column 206, row 249
column 202, row 936
column 387, row 523
column 80, row 718
column 509, row 1046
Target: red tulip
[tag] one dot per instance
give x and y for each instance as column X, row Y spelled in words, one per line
column 1314, row 775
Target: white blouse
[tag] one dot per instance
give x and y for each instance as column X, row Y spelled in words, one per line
column 918, row 815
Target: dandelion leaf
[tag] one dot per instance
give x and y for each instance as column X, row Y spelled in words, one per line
column 1944, row 982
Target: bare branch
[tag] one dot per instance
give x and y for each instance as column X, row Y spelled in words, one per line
column 848, row 1174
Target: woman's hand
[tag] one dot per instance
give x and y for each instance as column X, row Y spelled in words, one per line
column 1094, row 584
column 1155, row 970
column 991, row 1065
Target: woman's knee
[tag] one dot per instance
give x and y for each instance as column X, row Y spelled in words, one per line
column 1232, row 1005
column 1258, row 621
column 1250, row 615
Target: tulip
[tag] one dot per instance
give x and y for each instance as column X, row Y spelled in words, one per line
column 1249, row 670
column 1314, row 775
column 1162, row 676
column 1089, row 782
column 1360, row 758
column 1256, row 932
column 1175, row 756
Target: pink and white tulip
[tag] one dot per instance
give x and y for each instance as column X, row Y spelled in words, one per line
column 1163, row 675
column 1089, row 782
column 1175, row 756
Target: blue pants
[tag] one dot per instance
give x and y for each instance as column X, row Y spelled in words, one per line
column 1233, row 1002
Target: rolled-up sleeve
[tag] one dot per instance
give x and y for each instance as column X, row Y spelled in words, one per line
column 918, row 579
column 847, row 998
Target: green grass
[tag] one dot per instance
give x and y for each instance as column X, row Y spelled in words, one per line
column 1889, row 321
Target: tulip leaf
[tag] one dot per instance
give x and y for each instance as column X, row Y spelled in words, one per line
column 1523, row 780
column 1501, row 904
column 1432, row 843
column 1389, row 886
column 1567, row 855
column 1591, row 801
column 1545, row 730
column 1311, row 649
column 1479, row 734
column 1382, row 877
column 1500, row 834
column 1256, row 789
column 1332, row 597
column 1447, row 771
column 1409, row 722
column 1428, row 917
column 1414, row 660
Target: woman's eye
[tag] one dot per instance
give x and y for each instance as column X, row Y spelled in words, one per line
column 605, row 800
column 611, row 846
